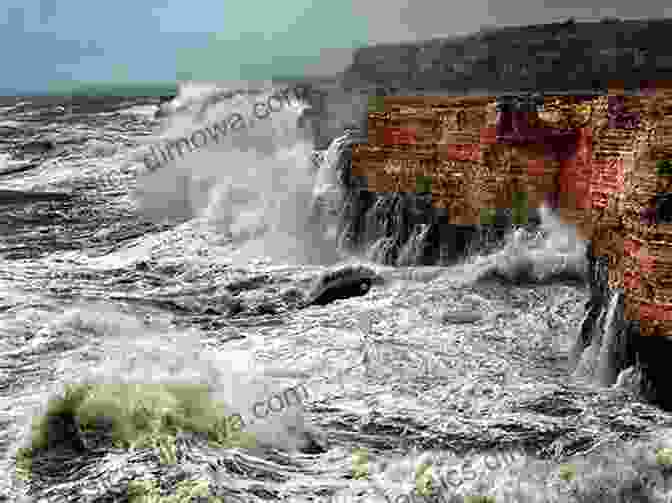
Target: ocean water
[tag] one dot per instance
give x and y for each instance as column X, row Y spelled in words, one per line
column 133, row 242
column 190, row 271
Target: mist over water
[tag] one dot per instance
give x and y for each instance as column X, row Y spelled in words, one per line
column 255, row 184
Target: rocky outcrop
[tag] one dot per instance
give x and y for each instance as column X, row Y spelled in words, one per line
column 386, row 215
column 549, row 57
column 557, row 58
column 343, row 283
column 397, row 228
column 403, row 228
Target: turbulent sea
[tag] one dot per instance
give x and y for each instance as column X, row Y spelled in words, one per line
column 193, row 270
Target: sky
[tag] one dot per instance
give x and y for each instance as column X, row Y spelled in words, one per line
column 49, row 41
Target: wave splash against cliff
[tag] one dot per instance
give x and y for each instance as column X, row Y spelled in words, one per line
column 255, row 184
column 265, row 188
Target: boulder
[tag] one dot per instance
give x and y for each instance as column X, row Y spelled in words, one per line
column 342, row 283
column 33, row 148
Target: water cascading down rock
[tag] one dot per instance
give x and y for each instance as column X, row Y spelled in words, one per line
column 569, row 155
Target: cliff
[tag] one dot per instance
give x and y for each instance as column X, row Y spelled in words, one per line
column 444, row 155
column 555, row 58
column 549, row 57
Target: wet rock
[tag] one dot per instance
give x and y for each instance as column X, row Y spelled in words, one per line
column 236, row 306
column 165, row 99
column 316, row 444
column 250, row 283
column 63, row 431
column 343, row 283
column 265, row 307
column 343, row 289
column 142, row 266
column 293, row 296
column 652, row 355
column 39, row 147
column 461, row 316
column 25, row 197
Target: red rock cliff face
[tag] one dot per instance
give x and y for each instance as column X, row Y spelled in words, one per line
column 554, row 58
column 593, row 159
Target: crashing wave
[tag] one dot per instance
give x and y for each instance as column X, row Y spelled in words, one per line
column 197, row 99
column 271, row 157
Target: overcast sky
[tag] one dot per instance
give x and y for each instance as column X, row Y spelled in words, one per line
column 44, row 41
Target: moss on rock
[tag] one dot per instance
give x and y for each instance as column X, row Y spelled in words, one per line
column 146, row 491
column 135, row 416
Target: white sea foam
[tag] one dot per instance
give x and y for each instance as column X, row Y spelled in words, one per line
column 269, row 158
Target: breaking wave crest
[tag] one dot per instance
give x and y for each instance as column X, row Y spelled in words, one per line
column 254, row 183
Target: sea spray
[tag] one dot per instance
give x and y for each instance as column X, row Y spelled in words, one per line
column 562, row 237
column 270, row 157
